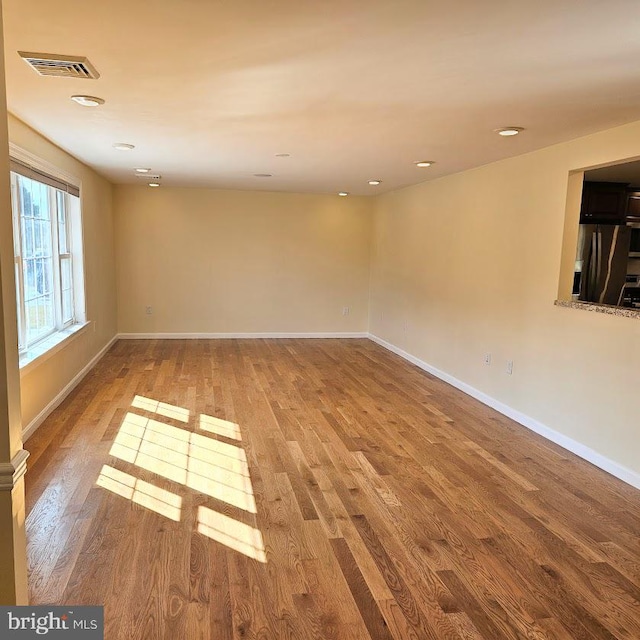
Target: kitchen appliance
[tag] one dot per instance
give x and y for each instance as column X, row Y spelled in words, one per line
column 604, row 252
column 634, row 243
column 631, row 295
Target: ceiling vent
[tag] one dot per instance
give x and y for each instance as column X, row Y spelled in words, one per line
column 48, row 64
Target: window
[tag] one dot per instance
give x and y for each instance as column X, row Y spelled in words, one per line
column 49, row 285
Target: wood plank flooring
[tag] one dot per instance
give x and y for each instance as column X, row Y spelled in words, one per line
column 318, row 489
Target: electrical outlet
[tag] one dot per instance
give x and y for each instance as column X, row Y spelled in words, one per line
column 148, row 310
column 487, row 359
column 345, row 311
column 510, row 367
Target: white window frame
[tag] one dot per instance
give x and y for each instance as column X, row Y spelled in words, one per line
column 64, row 329
column 56, row 259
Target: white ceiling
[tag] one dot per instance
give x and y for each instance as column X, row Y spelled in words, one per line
column 210, row 90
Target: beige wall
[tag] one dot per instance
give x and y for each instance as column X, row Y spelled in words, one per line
column 43, row 382
column 212, row 261
column 469, row 264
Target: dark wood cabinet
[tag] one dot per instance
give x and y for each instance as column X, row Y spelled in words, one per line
column 632, row 212
column 604, row 203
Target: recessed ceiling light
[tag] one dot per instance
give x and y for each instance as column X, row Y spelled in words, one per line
column 283, row 155
column 343, row 193
column 88, row 101
column 374, row 182
column 263, row 175
column 142, row 170
column 509, row 131
column 123, row 146
column 424, row 163
column 154, row 184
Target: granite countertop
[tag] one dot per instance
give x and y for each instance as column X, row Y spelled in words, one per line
column 625, row 312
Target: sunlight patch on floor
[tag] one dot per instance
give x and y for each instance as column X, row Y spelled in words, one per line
column 199, row 462
column 162, row 408
column 236, row 535
column 203, row 464
column 161, row 501
column 220, row 427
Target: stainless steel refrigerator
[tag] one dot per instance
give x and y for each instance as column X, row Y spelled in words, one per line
column 604, row 252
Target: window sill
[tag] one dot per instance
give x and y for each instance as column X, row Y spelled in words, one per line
column 625, row 312
column 48, row 347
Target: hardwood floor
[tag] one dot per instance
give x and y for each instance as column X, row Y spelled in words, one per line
column 326, row 489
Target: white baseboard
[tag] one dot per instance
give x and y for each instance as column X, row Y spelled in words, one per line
column 44, row 414
column 223, row 336
column 606, row 464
